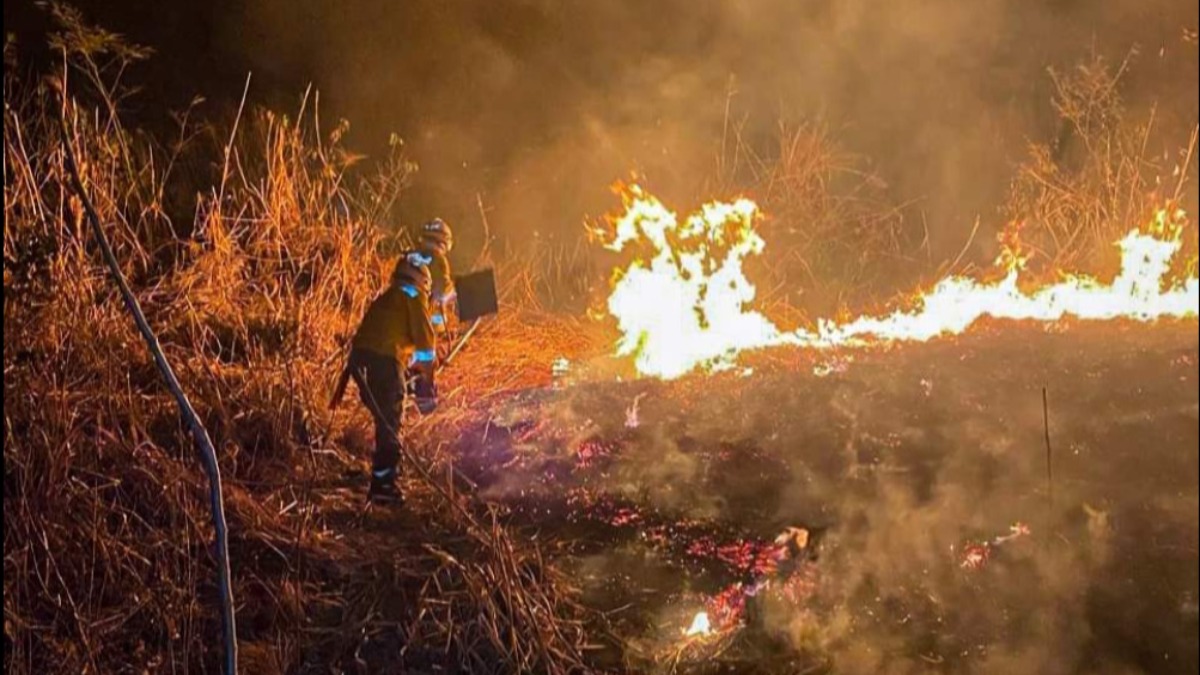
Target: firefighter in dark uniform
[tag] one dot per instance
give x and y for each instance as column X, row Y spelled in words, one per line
column 396, row 328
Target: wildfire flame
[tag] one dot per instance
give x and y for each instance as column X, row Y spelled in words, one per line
column 684, row 304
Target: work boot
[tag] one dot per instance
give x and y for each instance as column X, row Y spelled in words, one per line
column 384, row 490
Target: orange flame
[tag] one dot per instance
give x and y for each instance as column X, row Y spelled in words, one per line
column 685, row 303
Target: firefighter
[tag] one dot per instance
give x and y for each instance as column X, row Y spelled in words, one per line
column 437, row 240
column 397, row 325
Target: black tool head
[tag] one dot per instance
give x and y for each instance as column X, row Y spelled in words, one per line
column 476, row 295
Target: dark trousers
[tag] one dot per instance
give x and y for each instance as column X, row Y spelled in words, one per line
column 381, row 388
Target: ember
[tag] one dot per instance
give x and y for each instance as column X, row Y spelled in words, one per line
column 976, row 556
column 836, row 365
column 560, row 372
column 591, row 452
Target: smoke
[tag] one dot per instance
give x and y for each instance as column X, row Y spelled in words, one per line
column 934, row 467
column 539, row 105
column 898, row 464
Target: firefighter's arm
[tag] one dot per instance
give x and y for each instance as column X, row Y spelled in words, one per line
column 424, row 359
column 443, row 279
column 443, row 291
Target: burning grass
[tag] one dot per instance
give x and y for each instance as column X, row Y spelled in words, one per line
column 1073, row 195
column 684, row 301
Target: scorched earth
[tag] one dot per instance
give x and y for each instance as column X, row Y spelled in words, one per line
column 881, row 511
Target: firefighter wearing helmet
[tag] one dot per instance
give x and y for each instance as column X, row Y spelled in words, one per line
column 397, row 326
column 435, row 239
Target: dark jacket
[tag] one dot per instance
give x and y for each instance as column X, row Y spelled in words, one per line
column 398, row 324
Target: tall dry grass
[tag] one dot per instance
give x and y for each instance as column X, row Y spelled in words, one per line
column 1074, row 197
column 833, row 235
column 253, row 249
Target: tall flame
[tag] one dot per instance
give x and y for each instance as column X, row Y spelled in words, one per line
column 685, row 303
column 685, row 306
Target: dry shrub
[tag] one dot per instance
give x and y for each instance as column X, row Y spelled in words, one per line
column 835, row 237
column 834, row 221
column 1075, row 197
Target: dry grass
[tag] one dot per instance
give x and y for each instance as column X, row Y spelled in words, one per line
column 1100, row 178
column 253, row 251
column 832, row 231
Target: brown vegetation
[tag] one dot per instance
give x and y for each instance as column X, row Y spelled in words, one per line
column 1099, row 179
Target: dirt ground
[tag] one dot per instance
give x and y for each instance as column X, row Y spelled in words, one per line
column 658, row 496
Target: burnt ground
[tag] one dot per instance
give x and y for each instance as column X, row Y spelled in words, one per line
column 897, row 461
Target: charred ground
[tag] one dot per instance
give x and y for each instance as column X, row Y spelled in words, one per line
column 897, row 460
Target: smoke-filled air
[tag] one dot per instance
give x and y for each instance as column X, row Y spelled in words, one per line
column 664, row 337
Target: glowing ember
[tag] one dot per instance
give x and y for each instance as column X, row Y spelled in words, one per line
column 684, row 302
column 701, row 627
column 976, row 556
column 838, row 365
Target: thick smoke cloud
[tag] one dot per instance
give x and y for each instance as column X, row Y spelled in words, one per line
column 540, row 105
